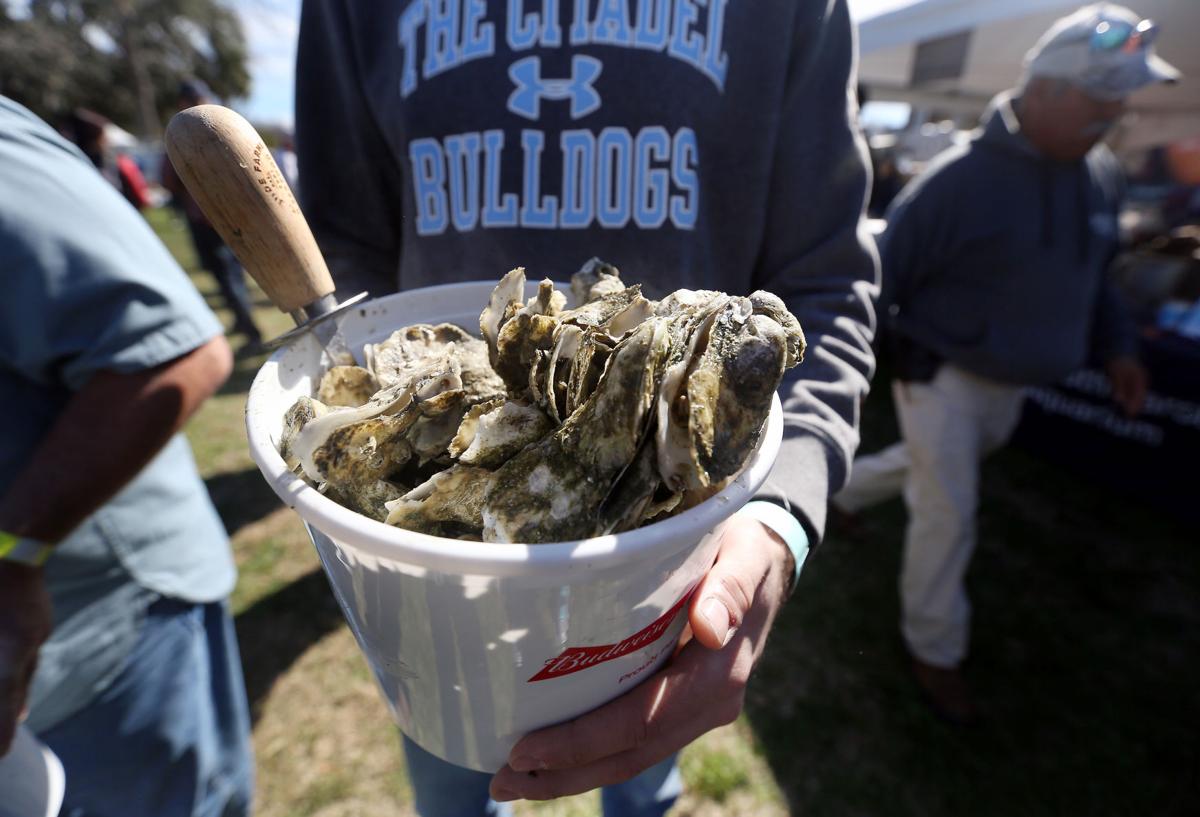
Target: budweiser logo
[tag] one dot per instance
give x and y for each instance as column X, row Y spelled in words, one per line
column 574, row 659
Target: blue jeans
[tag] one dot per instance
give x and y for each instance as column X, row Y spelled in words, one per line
column 170, row 737
column 445, row 790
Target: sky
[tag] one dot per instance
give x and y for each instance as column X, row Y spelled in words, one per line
column 271, row 27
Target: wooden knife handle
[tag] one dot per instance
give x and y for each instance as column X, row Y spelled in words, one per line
column 233, row 177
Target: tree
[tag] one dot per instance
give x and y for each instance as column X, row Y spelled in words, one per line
column 122, row 58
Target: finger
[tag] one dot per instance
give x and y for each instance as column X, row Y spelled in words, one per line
column 547, row 785
column 725, row 595
column 697, row 692
column 628, row 722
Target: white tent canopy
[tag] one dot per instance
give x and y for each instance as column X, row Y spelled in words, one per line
column 957, row 54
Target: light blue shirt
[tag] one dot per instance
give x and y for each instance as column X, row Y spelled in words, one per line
column 91, row 288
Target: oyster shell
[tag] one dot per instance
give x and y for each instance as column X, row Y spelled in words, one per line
column 369, row 499
column 353, row 446
column 594, row 280
column 449, row 503
column 469, row 425
column 586, row 368
column 551, row 491
column 440, row 417
column 715, row 397
column 503, row 304
column 630, row 498
column 770, row 305
column 547, row 301
column 730, row 391
column 602, row 311
column 347, row 386
column 690, row 328
column 517, row 346
column 553, row 395
column 410, row 351
column 499, row 433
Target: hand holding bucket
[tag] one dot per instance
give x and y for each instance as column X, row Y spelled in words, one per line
column 702, row 687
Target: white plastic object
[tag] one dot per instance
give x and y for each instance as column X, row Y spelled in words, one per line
column 475, row 644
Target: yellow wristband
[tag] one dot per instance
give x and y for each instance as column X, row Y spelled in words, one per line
column 23, row 551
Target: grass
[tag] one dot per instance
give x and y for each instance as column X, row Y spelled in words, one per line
column 1086, row 651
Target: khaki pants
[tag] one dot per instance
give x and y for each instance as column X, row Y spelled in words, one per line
column 949, row 425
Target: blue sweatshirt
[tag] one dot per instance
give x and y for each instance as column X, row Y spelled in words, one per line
column 707, row 144
column 995, row 258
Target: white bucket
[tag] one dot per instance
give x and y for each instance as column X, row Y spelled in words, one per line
column 476, row 644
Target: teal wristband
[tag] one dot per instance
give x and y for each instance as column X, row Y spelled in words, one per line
column 783, row 523
column 23, row 551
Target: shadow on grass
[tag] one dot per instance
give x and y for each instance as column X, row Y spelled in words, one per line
column 1085, row 647
column 241, row 497
column 281, row 627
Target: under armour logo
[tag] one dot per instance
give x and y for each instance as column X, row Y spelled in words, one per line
column 526, row 74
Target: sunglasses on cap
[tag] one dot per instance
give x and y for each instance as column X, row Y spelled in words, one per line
column 1113, row 35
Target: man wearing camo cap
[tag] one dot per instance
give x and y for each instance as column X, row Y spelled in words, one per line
column 994, row 279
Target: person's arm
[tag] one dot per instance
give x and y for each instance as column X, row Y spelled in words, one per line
column 820, row 260
column 106, row 434
column 904, row 248
column 818, row 257
column 350, row 182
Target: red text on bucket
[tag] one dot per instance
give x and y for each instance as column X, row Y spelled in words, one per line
column 574, row 659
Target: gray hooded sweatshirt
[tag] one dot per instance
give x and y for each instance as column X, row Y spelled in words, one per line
column 707, row 145
column 995, row 258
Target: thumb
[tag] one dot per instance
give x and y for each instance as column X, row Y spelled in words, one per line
column 724, row 596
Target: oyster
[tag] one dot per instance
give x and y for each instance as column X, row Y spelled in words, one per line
column 347, row 386
column 588, row 364
column 504, row 303
column 631, row 496
column 500, row 433
column 595, row 279
column 551, row 491
column 299, row 415
column 411, row 350
column 437, row 424
column 449, row 503
column 518, row 344
column 358, row 454
column 370, row 498
column 770, row 305
column 553, row 395
column 715, row 397
column 547, row 301
column 470, row 424
column 520, row 338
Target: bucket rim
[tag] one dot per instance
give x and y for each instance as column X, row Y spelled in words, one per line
column 368, row 536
